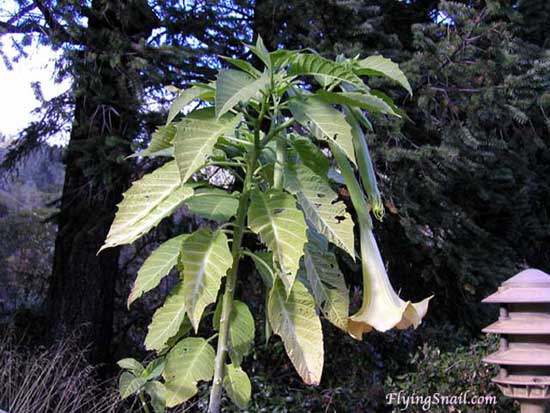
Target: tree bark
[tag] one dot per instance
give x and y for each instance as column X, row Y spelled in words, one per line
column 82, row 286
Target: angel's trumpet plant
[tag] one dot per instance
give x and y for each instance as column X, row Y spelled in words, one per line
column 286, row 201
column 382, row 308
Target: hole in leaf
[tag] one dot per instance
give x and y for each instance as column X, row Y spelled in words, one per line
column 278, row 210
column 340, row 218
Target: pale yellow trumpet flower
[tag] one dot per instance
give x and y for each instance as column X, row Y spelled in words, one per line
column 382, row 308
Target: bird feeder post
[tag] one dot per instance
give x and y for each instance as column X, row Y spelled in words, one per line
column 524, row 328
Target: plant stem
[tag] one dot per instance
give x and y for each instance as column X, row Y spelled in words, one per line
column 144, row 403
column 278, row 173
column 231, row 280
column 356, row 193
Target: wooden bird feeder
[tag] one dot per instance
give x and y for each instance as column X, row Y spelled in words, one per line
column 524, row 327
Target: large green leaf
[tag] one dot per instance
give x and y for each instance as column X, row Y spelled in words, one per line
column 237, row 385
column 189, row 362
column 243, row 65
column 241, row 330
column 132, row 365
column 185, row 97
column 326, row 281
column 166, row 320
column 146, row 203
column 196, row 137
column 310, row 155
column 129, row 384
column 156, row 266
column 281, row 57
column 205, row 257
column 273, row 215
column 157, row 393
column 315, row 65
column 263, row 260
column 294, row 319
column 212, row 203
column 234, row 86
column 361, row 100
column 381, row 66
column 324, row 122
column 321, row 206
column 161, row 142
column 154, row 369
column 183, row 331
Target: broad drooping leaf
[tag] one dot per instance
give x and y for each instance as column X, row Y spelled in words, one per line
column 212, row 203
column 205, row 257
column 129, row 384
column 161, row 142
column 157, row 393
column 234, row 86
column 321, row 206
column 361, row 100
column 189, row 362
column 237, row 385
column 185, row 97
column 183, row 331
column 315, row 65
column 243, row 65
column 324, row 122
column 146, row 203
column 156, row 266
column 273, row 215
column 154, row 369
column 132, row 365
column 281, row 57
column 241, row 330
column 263, row 260
column 381, row 66
column 294, row 319
column 166, row 320
column 326, row 281
column 196, row 137
column 310, row 155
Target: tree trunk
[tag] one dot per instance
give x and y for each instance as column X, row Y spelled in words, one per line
column 82, row 286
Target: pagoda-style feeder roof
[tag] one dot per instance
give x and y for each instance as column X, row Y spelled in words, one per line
column 526, row 387
column 532, row 324
column 529, row 286
column 517, row 380
column 520, row 357
column 524, row 328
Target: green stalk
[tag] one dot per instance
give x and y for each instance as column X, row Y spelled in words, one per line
column 365, row 165
column 278, row 173
column 144, row 403
column 231, row 280
column 355, row 191
column 227, row 304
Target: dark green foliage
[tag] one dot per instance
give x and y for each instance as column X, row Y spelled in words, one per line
column 448, row 368
column 467, row 182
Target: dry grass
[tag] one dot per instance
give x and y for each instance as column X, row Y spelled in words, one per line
column 56, row 379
